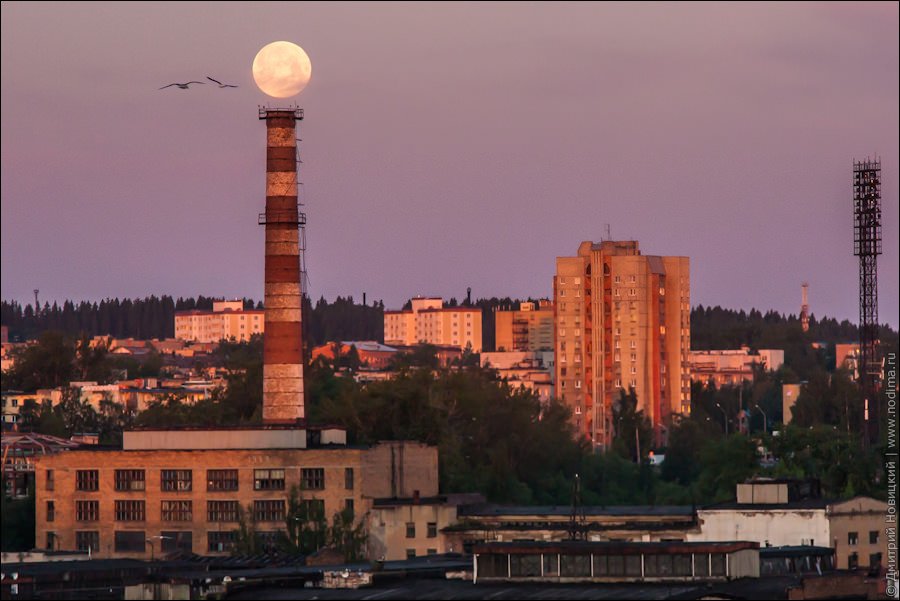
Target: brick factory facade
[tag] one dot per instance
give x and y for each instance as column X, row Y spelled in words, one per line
column 180, row 490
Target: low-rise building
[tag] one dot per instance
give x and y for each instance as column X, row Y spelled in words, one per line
column 428, row 321
column 523, row 369
column 372, row 355
column 186, row 490
column 732, row 366
column 228, row 320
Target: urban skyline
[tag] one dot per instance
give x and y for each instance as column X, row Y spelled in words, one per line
column 485, row 143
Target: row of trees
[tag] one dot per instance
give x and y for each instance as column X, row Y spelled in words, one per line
column 345, row 319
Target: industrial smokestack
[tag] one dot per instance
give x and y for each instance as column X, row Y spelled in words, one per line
column 283, row 341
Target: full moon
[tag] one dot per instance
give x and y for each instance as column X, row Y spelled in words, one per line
column 281, row 69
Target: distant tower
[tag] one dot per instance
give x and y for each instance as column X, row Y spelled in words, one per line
column 283, row 340
column 867, row 246
column 804, row 307
column 37, row 305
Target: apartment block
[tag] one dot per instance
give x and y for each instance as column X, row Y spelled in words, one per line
column 428, row 321
column 528, row 329
column 227, row 320
column 621, row 321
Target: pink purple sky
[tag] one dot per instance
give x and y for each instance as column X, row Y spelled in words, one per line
column 449, row 145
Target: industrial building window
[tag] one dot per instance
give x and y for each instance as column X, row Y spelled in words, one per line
column 551, row 564
column 410, row 554
column 525, row 565
column 312, row 478
column 431, row 551
column 176, row 511
column 410, row 530
column 130, row 480
column 348, row 478
column 432, row 529
column 874, row 560
column 222, row 511
column 130, row 511
column 52, row 541
column 701, row 564
column 852, row 538
column 348, row 505
column 49, row 479
column 51, row 511
column 87, row 511
column 221, row 541
column 717, row 561
column 176, row 480
column 575, row 565
column 87, row 480
column 615, row 565
column 312, row 509
column 268, row 511
column 221, row 480
column 853, row 561
column 177, row 541
column 633, row 565
column 873, row 537
column 272, row 479
column 87, row 540
column 130, row 541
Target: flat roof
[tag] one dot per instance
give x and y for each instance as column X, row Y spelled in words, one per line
column 491, row 510
column 622, row 548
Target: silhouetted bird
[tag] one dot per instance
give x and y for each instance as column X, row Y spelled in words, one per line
column 221, row 85
column 183, row 86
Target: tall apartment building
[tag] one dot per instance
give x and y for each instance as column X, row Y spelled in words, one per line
column 228, row 319
column 429, row 321
column 622, row 320
column 528, row 329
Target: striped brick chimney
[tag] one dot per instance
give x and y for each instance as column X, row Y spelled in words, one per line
column 283, row 340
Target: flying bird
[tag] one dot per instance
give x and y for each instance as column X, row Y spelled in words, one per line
column 183, row 86
column 221, row 85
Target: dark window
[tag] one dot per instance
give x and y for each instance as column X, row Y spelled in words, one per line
column 271, row 479
column 873, row 537
column 221, row 480
column 312, row 509
column 176, row 511
column 87, row 511
column 575, row 565
column 432, row 529
column 348, row 478
column 853, row 561
column 267, row 540
column 49, row 479
column 175, row 480
column 221, row 541
column 87, row 480
column 348, row 506
column 312, row 478
column 718, row 564
column 852, row 538
column 410, row 530
column 431, row 551
column 601, row 567
column 632, row 565
column 410, row 554
column 51, row 511
column 268, row 511
column 177, row 541
column 130, row 511
column 222, row 511
column 52, row 541
column 130, row 541
column 87, row 540
column 701, row 564
column 682, row 564
column 875, row 560
column 616, row 565
column 130, row 480
column 551, row 564
column 525, row 566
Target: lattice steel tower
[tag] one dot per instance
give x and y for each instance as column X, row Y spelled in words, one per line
column 867, row 246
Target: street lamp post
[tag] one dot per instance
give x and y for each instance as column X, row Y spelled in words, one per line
column 724, row 415
column 150, row 540
column 765, row 419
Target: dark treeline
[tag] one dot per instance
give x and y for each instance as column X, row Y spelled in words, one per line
column 345, row 319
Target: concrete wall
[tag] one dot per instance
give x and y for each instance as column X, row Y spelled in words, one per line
column 864, row 516
column 397, row 469
column 214, row 439
column 775, row 527
column 388, row 534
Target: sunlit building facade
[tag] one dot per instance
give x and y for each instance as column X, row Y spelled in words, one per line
column 227, row 320
column 429, row 322
column 621, row 320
